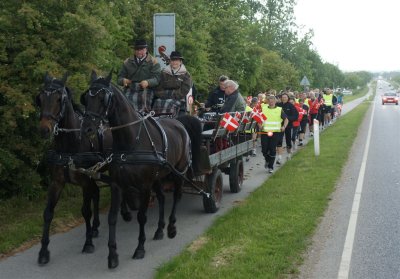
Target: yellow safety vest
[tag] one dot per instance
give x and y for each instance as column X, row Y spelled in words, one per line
column 274, row 119
column 252, row 130
column 328, row 100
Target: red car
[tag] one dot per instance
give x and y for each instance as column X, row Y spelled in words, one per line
column 390, row 98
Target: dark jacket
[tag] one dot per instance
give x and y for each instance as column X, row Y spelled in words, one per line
column 174, row 85
column 148, row 69
column 290, row 111
column 216, row 97
column 234, row 102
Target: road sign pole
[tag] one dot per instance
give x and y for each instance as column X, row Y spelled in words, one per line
column 316, row 137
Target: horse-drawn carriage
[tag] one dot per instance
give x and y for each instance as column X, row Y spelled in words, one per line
column 145, row 154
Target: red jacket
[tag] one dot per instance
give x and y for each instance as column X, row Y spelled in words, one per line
column 314, row 106
column 301, row 111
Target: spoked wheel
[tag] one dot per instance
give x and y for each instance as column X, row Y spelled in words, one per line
column 236, row 175
column 214, row 183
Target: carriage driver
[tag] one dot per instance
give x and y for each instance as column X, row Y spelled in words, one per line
column 139, row 75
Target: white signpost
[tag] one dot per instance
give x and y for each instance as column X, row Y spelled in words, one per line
column 164, row 34
column 316, row 137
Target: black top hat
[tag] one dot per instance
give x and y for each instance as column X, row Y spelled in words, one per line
column 139, row 44
column 176, row 55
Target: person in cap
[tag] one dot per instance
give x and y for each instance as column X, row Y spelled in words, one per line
column 175, row 84
column 139, row 75
column 216, row 98
column 233, row 99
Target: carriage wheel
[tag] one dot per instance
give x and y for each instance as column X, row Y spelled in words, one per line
column 236, row 175
column 214, row 183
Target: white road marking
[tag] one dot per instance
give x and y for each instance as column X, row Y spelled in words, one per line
column 351, row 229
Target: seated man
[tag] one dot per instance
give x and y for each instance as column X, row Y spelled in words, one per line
column 233, row 99
column 216, row 98
column 175, row 84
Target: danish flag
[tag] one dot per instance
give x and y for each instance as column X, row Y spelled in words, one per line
column 229, row 122
column 237, row 116
column 246, row 118
column 258, row 116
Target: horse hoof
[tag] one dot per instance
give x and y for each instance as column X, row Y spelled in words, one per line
column 127, row 216
column 44, row 257
column 113, row 262
column 88, row 248
column 171, row 231
column 139, row 254
column 95, row 233
column 158, row 235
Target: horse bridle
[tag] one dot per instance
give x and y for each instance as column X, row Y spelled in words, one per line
column 64, row 97
column 107, row 103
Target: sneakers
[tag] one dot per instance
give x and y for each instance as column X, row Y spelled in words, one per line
column 253, row 153
column 289, row 156
column 278, row 161
column 311, row 134
column 270, row 170
column 300, row 144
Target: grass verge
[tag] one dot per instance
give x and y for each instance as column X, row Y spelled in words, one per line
column 21, row 220
column 266, row 236
column 358, row 93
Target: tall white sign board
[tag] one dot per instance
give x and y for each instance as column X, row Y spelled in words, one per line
column 164, row 34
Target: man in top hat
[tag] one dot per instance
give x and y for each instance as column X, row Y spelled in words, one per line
column 139, row 75
column 175, row 84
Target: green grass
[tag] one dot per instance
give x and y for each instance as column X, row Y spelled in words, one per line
column 266, row 235
column 21, row 220
column 358, row 93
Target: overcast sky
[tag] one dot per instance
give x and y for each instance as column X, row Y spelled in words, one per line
column 354, row 34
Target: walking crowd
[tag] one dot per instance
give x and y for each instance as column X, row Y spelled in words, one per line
column 288, row 114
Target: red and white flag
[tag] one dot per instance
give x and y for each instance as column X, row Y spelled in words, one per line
column 258, row 116
column 237, row 116
column 246, row 118
column 229, row 122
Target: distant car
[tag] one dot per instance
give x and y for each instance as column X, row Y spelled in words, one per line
column 390, row 98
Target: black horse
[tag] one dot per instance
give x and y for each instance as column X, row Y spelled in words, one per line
column 146, row 153
column 60, row 117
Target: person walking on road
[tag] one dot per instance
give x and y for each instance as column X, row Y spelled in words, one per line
column 271, row 131
column 292, row 115
column 314, row 105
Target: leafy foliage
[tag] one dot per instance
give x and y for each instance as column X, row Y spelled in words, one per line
column 254, row 42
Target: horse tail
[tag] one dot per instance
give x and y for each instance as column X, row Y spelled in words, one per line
column 193, row 127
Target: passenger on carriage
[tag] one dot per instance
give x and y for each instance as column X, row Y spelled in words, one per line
column 216, row 98
column 175, row 84
column 140, row 75
column 233, row 99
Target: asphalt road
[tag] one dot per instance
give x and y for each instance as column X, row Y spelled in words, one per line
column 376, row 248
column 67, row 261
